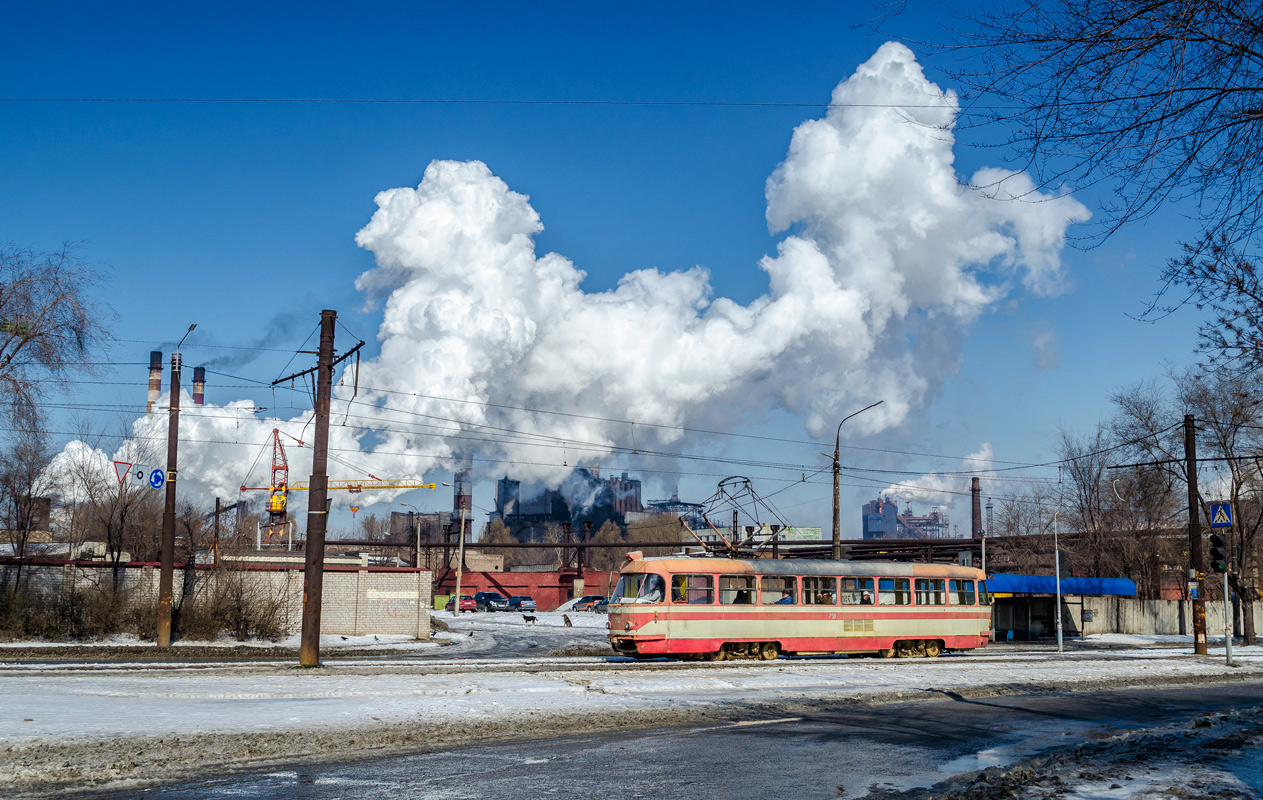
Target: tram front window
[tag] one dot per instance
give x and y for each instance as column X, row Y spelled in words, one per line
column 639, row 588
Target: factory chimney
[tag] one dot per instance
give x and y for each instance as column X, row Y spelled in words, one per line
column 199, row 385
column 976, row 491
column 463, row 499
column 155, row 379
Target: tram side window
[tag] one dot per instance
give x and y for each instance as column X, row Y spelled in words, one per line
column 692, row 589
column 777, row 590
column 820, row 591
column 930, row 592
column 893, row 592
column 984, row 597
column 736, row 590
column 962, row 592
column 856, row 591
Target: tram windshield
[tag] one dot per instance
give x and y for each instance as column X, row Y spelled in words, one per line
column 639, row 588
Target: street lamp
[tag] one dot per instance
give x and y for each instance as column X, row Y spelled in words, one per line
column 837, row 515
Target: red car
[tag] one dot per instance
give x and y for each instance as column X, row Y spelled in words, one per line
column 588, row 602
column 466, row 603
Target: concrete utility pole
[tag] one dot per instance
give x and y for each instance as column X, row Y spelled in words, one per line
column 837, row 469
column 1195, row 535
column 318, row 493
column 460, row 561
column 166, row 557
column 317, row 499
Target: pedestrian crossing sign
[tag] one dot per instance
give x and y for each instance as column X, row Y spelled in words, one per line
column 1221, row 515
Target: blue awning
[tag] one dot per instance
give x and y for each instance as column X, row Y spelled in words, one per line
column 1046, row 584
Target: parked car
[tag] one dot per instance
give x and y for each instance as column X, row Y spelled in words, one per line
column 490, row 601
column 587, row 602
column 466, row 603
column 520, row 602
column 602, row 606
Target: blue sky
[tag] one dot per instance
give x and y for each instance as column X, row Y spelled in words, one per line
column 242, row 216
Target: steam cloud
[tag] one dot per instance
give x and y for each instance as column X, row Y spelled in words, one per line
column 887, row 257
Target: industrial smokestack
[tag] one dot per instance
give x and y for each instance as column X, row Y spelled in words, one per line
column 976, row 491
column 199, row 385
column 463, row 496
column 155, row 379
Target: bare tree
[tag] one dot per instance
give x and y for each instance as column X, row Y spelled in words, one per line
column 125, row 517
column 498, row 533
column 25, row 490
column 1229, row 414
column 1151, row 101
column 49, row 324
column 1154, row 99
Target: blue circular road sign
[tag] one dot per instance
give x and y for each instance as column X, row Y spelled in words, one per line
column 157, row 478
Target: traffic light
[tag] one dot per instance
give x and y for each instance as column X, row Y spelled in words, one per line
column 1218, row 553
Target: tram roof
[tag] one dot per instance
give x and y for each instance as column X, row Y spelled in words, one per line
column 807, row 566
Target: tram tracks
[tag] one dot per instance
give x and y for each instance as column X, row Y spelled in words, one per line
column 518, row 665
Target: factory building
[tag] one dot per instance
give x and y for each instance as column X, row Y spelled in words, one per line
column 882, row 519
column 583, row 498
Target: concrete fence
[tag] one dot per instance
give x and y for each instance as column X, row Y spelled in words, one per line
column 355, row 601
column 1129, row 615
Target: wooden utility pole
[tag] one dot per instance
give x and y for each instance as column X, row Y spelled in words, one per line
column 1195, row 536
column 166, row 557
column 318, row 494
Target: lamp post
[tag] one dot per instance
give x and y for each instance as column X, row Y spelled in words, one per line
column 166, row 557
column 837, row 468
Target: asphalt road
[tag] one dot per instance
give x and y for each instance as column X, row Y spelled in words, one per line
column 837, row 752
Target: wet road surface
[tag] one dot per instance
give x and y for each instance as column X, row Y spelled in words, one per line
column 836, row 752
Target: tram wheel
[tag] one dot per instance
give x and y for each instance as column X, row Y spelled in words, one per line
column 887, row 653
column 933, row 649
column 770, row 651
column 718, row 655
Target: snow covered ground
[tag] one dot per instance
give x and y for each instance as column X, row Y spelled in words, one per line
column 1219, row 756
column 80, row 722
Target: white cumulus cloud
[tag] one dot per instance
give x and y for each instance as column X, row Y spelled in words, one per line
column 889, row 255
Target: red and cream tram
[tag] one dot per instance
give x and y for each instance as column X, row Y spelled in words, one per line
column 721, row 608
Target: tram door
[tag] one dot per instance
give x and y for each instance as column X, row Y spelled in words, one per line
column 687, row 592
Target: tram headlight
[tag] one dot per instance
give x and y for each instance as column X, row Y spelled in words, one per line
column 626, row 626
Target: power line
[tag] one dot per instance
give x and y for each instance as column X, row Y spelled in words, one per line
column 466, row 102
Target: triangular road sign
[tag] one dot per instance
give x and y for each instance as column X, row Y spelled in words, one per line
column 122, row 469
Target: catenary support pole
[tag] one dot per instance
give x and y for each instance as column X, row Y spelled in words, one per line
column 166, row 557
column 1227, row 623
column 1195, row 535
column 1057, row 569
column 317, row 497
column 215, row 545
